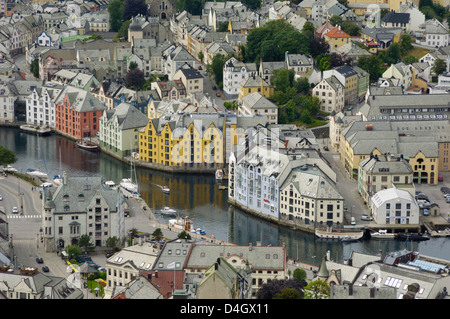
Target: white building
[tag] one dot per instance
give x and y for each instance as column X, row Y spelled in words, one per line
column 256, row 103
column 235, row 72
column 260, row 177
column 81, row 206
column 331, row 94
column 175, row 58
column 434, row 34
column 40, row 104
column 7, row 99
column 394, row 207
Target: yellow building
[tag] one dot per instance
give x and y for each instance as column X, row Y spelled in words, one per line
column 336, row 38
column 361, row 139
column 255, row 84
column 192, row 141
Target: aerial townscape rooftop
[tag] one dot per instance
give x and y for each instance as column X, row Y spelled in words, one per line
column 192, row 150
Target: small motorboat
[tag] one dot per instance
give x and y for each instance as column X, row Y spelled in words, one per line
column 200, row 231
column 382, row 234
column 168, row 211
column 412, row 236
column 87, row 145
column 166, row 189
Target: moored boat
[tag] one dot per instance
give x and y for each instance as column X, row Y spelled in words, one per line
column 35, row 129
column 337, row 234
column 129, row 189
column 382, row 234
column 219, row 174
column 412, row 236
column 183, row 223
column 33, row 172
column 168, row 211
column 166, row 189
column 86, row 145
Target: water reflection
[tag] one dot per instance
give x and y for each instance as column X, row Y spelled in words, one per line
column 197, row 196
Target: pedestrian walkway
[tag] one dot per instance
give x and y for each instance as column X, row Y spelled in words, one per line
column 24, row 216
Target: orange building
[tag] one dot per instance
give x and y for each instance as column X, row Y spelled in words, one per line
column 77, row 113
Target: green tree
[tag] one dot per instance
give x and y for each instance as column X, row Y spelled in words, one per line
column 317, row 290
column 216, row 67
column 439, row 67
column 409, row 59
column 350, row 28
column 34, row 68
column 201, row 56
column 336, row 20
column 280, row 79
column 123, row 31
column 392, row 55
column 184, row 235
column 300, row 275
column 373, row 65
column 73, row 251
column 7, row 157
column 308, row 29
column 113, row 242
column 405, row 44
column 271, row 41
column 135, row 78
column 133, row 65
column 133, row 8
column 158, row 234
column 288, row 293
column 116, row 9
column 194, row 7
column 85, row 242
column 252, row 4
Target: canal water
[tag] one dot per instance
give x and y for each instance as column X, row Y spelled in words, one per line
column 197, row 196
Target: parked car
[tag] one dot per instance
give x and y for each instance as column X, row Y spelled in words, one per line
column 366, row 217
column 109, row 254
column 1, row 198
column 15, row 210
column 353, row 222
column 45, row 269
column 218, row 94
column 426, row 212
column 325, row 148
column 422, row 197
column 214, row 87
column 440, row 178
column 39, row 260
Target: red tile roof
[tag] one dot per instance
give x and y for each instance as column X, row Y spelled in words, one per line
column 337, row 33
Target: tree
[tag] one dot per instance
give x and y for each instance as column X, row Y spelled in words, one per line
column 223, row 27
column 123, row 31
column 350, row 28
column 288, row 293
column 373, row 65
column 135, row 78
column 317, row 290
column 216, row 67
column 133, row 65
column 336, row 20
column 194, row 7
column 113, row 242
column 85, row 242
column 392, row 55
column 34, row 68
column 73, row 251
column 300, row 275
column 439, row 67
column 201, row 56
column 252, row 4
column 7, row 157
column 270, row 289
column 318, row 46
column 405, row 44
column 308, row 29
column 409, row 59
column 133, row 8
column 158, row 234
column 336, row 60
column 280, row 79
column 116, row 8
column 271, row 41
column 184, row 235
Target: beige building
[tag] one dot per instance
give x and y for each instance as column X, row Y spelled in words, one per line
column 192, row 80
column 127, row 264
column 256, row 103
column 381, row 172
column 331, row 94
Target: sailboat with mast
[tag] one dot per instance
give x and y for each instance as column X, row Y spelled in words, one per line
column 130, row 188
column 87, row 144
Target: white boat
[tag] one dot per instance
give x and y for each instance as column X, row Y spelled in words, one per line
column 87, row 145
column 9, row 168
column 166, row 189
column 200, row 231
column 168, row 211
column 110, row 184
column 36, row 129
column 36, row 173
column 382, row 234
column 219, row 174
column 183, row 223
column 336, row 234
column 129, row 189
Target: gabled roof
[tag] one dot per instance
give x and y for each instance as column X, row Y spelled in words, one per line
column 337, row 33
column 394, row 17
